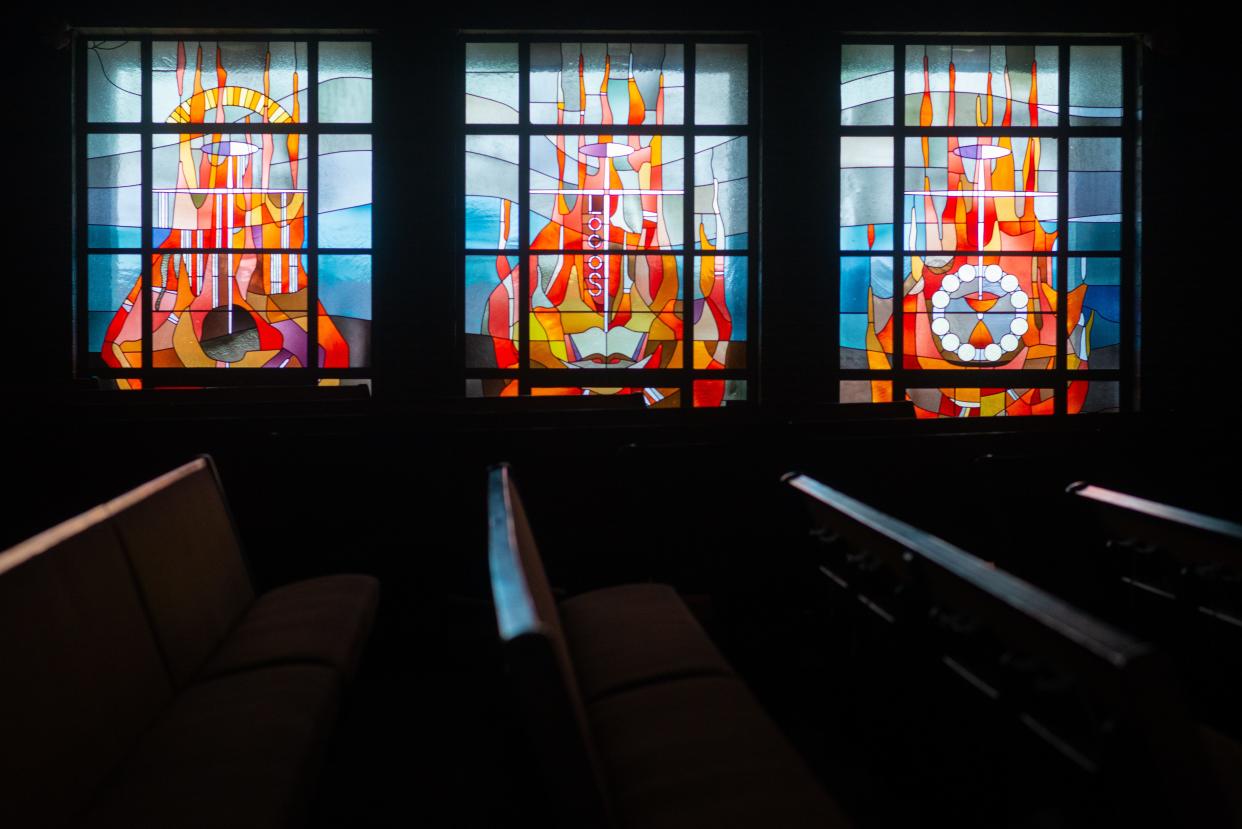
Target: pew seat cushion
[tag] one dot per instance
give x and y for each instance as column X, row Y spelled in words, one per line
column 239, row 751
column 700, row 752
column 323, row 621
column 635, row 634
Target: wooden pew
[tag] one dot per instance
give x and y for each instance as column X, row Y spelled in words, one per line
column 1202, row 554
column 1175, row 576
column 145, row 684
column 1085, row 712
column 635, row 718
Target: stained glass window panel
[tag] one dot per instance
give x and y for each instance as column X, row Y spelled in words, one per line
column 653, row 398
column 492, row 387
column 981, row 193
column 491, row 303
column 226, row 282
column 1094, row 313
column 597, row 192
column 231, row 83
column 737, row 390
column 620, row 338
column 866, row 303
column 1001, row 189
column 602, row 268
column 980, row 402
column 607, row 83
column 721, row 84
column 710, row 394
column 981, row 86
column 491, row 83
column 344, row 311
column 114, row 291
column 980, row 312
column 866, row 193
column 228, row 310
column 866, row 391
column 229, row 190
column 113, row 80
column 720, row 292
column 492, row 201
column 343, row 381
column 245, row 193
column 114, row 191
column 721, row 193
column 344, row 191
column 866, row 84
column 1095, row 86
column 1094, row 397
column 1095, row 194
column 606, row 311
column 344, row 82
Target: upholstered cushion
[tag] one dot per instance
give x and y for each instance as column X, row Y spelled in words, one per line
column 621, row 637
column 323, row 621
column 239, row 751
column 80, row 675
column 699, row 752
column 179, row 536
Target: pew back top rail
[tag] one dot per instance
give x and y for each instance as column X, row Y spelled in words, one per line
column 1190, row 536
column 537, row 657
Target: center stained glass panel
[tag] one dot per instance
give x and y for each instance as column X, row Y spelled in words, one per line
column 630, row 224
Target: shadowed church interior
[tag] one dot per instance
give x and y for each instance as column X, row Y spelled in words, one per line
column 462, row 571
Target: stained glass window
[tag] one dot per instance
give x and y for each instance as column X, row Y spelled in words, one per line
column 608, row 227
column 225, row 211
column 988, row 185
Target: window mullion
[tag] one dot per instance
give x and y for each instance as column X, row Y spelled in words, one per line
column 897, row 363
column 525, row 133
column 754, row 233
column 1130, row 268
column 146, row 277
column 688, row 229
column 1061, row 391
column 311, row 209
column 81, row 210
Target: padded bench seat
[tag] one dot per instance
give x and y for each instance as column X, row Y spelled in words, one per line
column 145, row 685
column 241, row 751
column 700, row 752
column 323, row 621
column 632, row 635
column 636, row 718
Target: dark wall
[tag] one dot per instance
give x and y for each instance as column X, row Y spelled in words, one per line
column 369, row 482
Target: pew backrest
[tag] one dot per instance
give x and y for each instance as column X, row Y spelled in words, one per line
column 537, row 660
column 81, row 675
column 1190, row 536
column 180, row 537
column 117, row 608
